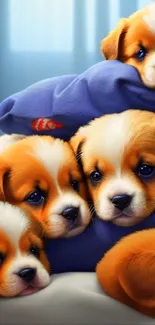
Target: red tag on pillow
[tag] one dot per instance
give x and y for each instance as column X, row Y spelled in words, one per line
column 44, row 124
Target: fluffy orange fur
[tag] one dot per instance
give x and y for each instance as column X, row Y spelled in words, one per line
column 132, row 33
column 127, row 271
column 18, row 234
column 114, row 145
column 22, row 171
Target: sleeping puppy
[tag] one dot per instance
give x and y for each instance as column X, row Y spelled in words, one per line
column 40, row 174
column 24, row 268
column 117, row 154
column 133, row 42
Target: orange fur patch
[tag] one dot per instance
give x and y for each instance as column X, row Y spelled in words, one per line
column 127, row 271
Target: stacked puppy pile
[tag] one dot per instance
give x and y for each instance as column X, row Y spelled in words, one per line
column 46, row 184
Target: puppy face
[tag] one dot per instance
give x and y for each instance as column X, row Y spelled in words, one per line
column 24, row 268
column 41, row 175
column 118, row 157
column 133, row 42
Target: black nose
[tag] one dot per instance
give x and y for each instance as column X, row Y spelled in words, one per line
column 71, row 213
column 121, row 201
column 27, row 274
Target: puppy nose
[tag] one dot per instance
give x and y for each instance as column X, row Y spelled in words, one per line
column 121, row 201
column 27, row 274
column 70, row 213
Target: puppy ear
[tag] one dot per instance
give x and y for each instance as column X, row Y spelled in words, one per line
column 110, row 45
column 78, row 140
column 4, row 169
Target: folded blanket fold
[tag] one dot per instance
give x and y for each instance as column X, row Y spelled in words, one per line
column 58, row 106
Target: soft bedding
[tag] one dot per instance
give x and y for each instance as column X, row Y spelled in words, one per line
column 70, row 299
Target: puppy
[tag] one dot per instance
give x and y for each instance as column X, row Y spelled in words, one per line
column 118, row 159
column 24, row 268
column 133, row 42
column 127, row 271
column 41, row 175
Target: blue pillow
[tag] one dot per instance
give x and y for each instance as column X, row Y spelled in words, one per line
column 59, row 106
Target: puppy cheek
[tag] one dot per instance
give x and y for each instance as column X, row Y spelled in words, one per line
column 42, row 278
column 138, row 204
column 8, row 281
column 56, row 226
column 103, row 206
column 4, row 288
column 11, row 286
column 148, row 75
column 44, row 261
column 150, row 198
column 105, row 209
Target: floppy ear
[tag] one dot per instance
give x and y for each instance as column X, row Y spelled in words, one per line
column 77, row 142
column 4, row 169
column 110, row 45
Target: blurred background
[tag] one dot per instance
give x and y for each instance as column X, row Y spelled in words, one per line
column 45, row 38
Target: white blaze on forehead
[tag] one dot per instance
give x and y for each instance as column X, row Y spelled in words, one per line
column 149, row 18
column 13, row 221
column 110, row 140
column 53, row 155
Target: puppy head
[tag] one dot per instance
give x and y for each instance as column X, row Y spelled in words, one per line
column 24, row 268
column 133, row 42
column 118, row 159
column 41, row 175
column 127, row 271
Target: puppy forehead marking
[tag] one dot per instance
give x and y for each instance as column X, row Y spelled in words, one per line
column 52, row 155
column 149, row 18
column 113, row 135
column 13, row 222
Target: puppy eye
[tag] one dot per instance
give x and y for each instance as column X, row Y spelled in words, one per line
column 75, row 185
column 95, row 176
column 36, row 198
column 140, row 55
column 2, row 257
column 35, row 251
column 146, row 171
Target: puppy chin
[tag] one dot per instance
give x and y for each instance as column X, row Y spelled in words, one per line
column 126, row 221
column 126, row 218
column 122, row 219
